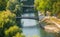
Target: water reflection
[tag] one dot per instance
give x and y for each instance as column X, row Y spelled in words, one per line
column 30, row 28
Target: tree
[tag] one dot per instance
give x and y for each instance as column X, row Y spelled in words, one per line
column 8, row 25
column 47, row 5
column 56, row 7
column 41, row 5
column 15, row 6
column 3, row 4
column 52, row 6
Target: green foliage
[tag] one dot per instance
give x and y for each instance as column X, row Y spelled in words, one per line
column 13, row 31
column 14, row 6
column 8, row 26
column 3, row 4
column 6, row 17
column 41, row 4
column 47, row 5
column 56, row 7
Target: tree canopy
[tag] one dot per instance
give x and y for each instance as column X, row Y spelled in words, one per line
column 9, row 9
column 14, row 6
column 47, row 5
column 3, row 4
column 8, row 25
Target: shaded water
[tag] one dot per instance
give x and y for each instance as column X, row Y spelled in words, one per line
column 30, row 28
column 31, row 32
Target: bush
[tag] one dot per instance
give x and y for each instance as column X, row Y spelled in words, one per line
column 8, row 25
